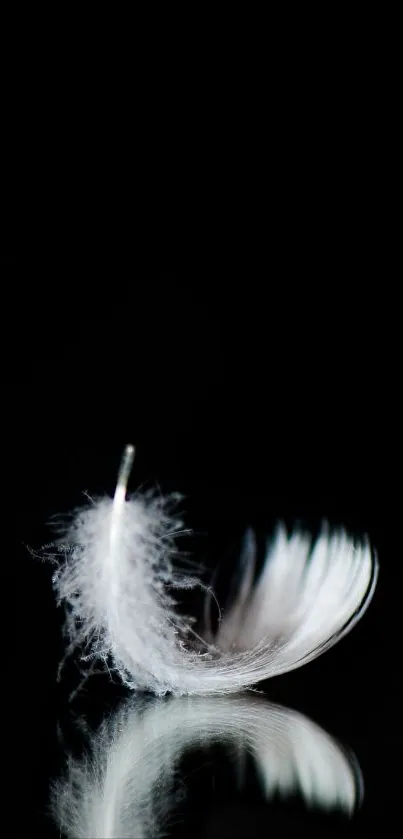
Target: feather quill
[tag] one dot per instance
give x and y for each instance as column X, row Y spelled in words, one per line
column 117, row 577
column 125, row 784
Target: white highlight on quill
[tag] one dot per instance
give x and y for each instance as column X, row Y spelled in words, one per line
column 124, row 786
column 117, row 578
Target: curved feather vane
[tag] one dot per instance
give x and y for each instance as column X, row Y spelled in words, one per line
column 117, row 578
column 125, row 786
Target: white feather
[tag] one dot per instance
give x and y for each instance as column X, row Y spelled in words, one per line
column 124, row 787
column 116, row 576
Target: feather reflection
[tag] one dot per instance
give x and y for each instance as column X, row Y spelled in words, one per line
column 124, row 786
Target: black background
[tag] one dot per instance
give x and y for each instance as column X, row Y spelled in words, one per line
column 262, row 377
column 259, row 391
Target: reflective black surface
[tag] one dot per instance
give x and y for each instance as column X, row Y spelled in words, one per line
column 254, row 417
